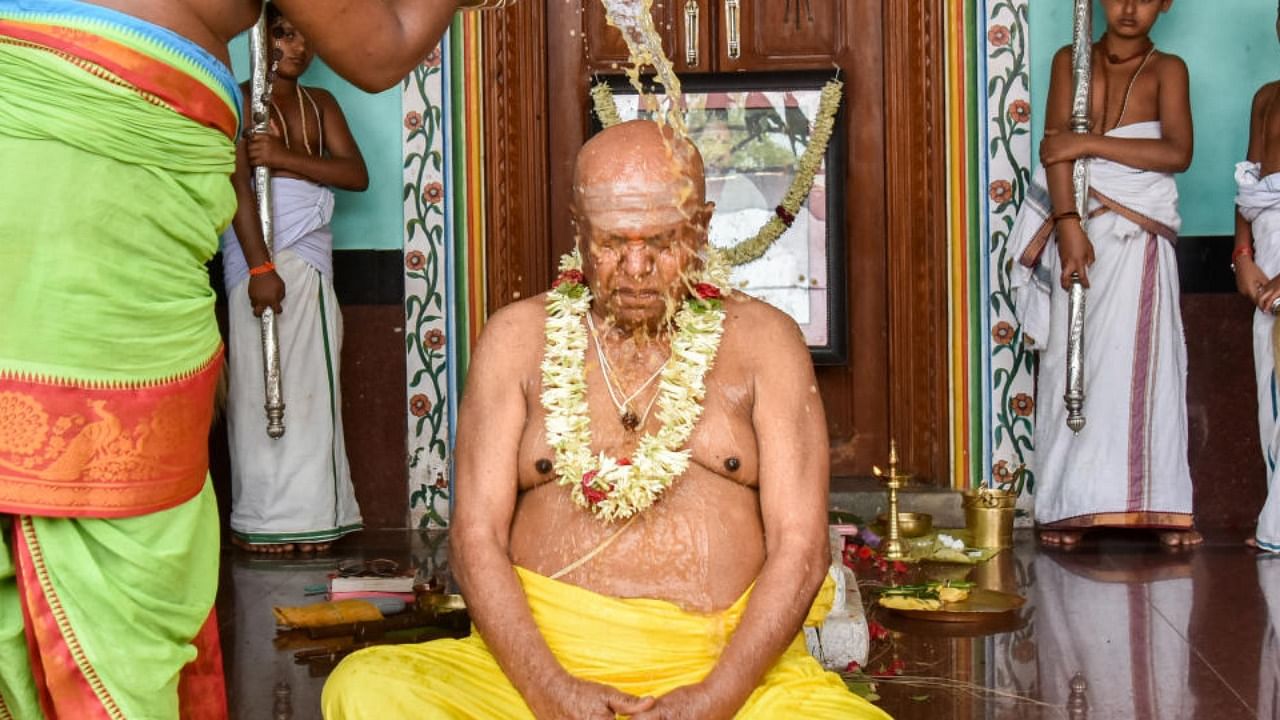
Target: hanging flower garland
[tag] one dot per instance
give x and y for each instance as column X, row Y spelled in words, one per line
column 784, row 215
column 618, row 488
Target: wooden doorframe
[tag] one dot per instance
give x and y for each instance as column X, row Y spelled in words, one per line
column 919, row 408
column 521, row 147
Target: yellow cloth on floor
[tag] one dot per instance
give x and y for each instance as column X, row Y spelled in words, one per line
column 325, row 614
column 642, row 647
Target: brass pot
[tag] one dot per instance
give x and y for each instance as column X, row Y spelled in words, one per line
column 988, row 513
column 910, row 524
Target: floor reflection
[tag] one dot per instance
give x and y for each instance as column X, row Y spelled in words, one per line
column 1149, row 633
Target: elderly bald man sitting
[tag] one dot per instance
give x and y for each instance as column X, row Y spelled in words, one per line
column 640, row 526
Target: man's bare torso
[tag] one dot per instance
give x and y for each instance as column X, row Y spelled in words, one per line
column 208, row 23
column 702, row 544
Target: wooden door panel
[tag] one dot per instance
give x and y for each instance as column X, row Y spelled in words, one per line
column 607, row 52
column 784, row 34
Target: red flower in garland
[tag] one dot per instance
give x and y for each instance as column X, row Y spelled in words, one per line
column 852, row 667
column 877, row 631
column 899, row 567
column 573, row 277
column 707, row 291
column 785, row 215
column 865, row 553
column 593, row 496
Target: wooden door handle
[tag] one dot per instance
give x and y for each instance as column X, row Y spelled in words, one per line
column 692, row 30
column 732, row 19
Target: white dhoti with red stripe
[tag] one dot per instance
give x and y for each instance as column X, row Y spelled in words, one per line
column 1128, row 466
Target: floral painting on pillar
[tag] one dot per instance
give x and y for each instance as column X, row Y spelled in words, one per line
column 425, row 303
column 1007, row 148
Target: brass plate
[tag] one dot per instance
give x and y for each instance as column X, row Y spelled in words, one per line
column 982, row 604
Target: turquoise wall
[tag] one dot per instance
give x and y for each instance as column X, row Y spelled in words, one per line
column 1230, row 49
column 371, row 219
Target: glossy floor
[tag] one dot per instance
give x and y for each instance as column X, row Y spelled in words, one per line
column 1154, row 634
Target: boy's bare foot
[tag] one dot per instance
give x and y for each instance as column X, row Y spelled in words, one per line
column 1253, row 543
column 271, row 549
column 1181, row 538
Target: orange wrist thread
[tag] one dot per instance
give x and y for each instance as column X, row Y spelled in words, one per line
column 262, row 269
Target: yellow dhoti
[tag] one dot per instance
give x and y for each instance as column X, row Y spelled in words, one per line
column 642, row 647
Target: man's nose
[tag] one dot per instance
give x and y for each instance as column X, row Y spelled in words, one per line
column 637, row 260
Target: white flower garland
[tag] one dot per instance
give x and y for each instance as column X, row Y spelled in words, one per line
column 618, row 488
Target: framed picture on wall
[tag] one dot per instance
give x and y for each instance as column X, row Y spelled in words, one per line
column 752, row 130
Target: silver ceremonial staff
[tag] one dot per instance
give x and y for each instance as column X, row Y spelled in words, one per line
column 1082, row 77
column 261, row 64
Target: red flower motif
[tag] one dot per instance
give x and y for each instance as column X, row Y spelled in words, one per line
column 999, row 36
column 415, row 260
column 1001, row 192
column 877, row 631
column 707, row 291
column 573, row 277
column 419, row 405
column 433, row 193
column 1001, row 473
column 432, row 59
column 441, row 483
column 412, row 120
column 1020, row 111
column 1003, row 333
column 1023, row 405
column 593, row 496
column 434, row 339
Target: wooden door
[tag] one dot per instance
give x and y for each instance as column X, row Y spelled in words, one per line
column 766, row 35
column 889, row 54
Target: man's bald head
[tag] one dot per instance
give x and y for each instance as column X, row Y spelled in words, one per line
column 638, row 170
column 639, row 203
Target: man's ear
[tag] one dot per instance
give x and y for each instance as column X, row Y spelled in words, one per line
column 704, row 214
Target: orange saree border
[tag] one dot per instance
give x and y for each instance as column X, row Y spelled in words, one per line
column 75, row 449
column 154, row 79
column 68, row 685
